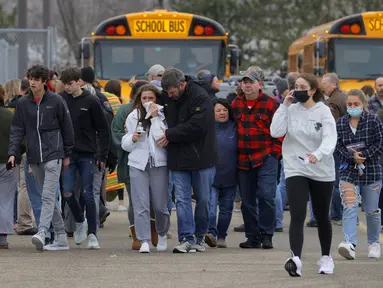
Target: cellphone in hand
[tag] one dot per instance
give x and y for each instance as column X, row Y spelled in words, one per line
column 9, row 166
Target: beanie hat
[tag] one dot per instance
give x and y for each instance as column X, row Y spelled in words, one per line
column 207, row 77
column 281, row 84
column 87, row 74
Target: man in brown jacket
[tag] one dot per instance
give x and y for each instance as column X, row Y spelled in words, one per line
column 336, row 101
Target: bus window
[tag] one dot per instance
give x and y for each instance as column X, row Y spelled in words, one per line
column 358, row 58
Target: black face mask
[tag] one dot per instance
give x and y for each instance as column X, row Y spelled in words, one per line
column 301, row 96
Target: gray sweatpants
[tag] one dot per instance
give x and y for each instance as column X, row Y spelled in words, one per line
column 157, row 179
column 47, row 176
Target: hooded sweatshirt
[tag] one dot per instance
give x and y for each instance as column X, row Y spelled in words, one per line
column 306, row 131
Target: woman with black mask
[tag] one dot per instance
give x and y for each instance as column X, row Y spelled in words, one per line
column 310, row 138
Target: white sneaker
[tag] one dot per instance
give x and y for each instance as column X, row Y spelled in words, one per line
column 80, row 233
column 93, row 242
column 39, row 240
column 60, row 244
column 145, row 248
column 122, row 208
column 347, row 250
column 162, row 243
column 326, row 265
column 293, row 266
column 374, row 251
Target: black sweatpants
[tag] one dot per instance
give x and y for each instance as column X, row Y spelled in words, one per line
column 298, row 190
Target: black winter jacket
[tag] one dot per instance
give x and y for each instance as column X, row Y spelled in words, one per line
column 191, row 133
column 47, row 127
column 89, row 124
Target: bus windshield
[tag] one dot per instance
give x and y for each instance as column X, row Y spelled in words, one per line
column 358, row 58
column 121, row 59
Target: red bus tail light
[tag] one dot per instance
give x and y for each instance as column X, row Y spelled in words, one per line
column 209, row 30
column 345, row 29
column 110, row 30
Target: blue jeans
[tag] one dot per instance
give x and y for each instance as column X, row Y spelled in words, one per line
column 336, row 202
column 225, row 198
column 201, row 181
column 85, row 167
column 351, row 197
column 260, row 184
column 280, row 198
column 170, row 199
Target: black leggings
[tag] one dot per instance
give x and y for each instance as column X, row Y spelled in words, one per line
column 298, row 189
column 120, row 194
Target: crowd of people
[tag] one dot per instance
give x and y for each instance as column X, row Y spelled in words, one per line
column 175, row 141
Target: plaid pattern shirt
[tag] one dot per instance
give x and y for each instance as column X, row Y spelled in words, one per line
column 369, row 132
column 254, row 139
column 374, row 104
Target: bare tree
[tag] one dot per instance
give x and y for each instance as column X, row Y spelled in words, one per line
column 80, row 17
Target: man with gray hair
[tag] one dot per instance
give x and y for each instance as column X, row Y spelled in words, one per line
column 336, row 101
column 191, row 145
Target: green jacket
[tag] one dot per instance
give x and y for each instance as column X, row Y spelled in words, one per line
column 6, row 117
column 118, row 131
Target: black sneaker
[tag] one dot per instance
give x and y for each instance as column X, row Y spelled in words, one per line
column 240, row 228
column 278, row 229
column 249, row 244
column 267, row 242
column 312, row 224
column 69, row 234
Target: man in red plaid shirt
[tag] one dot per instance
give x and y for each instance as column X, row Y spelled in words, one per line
column 257, row 160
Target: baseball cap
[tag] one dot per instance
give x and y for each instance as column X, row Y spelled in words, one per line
column 253, row 73
column 155, row 70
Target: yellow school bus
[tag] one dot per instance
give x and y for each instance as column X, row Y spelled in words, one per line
column 128, row 45
column 351, row 47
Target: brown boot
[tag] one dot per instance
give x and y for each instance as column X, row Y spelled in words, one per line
column 154, row 232
column 136, row 244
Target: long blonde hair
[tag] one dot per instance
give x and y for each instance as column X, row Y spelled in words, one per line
column 12, row 89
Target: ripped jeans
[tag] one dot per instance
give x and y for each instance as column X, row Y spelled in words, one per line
column 351, row 196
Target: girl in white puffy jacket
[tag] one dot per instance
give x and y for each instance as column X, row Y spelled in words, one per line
column 148, row 167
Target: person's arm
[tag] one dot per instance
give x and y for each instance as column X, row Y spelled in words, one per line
column 66, row 128
column 196, row 126
column 376, row 133
column 157, row 127
column 127, row 142
column 118, row 124
column 329, row 136
column 341, row 149
column 103, row 135
column 278, row 127
column 17, row 133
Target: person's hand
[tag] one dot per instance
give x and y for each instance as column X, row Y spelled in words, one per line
column 66, row 163
column 12, row 161
column 153, row 109
column 100, row 165
column 136, row 137
column 289, row 98
column 358, row 158
column 312, row 158
column 162, row 141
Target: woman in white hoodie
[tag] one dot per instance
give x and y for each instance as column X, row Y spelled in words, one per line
column 147, row 166
column 310, row 138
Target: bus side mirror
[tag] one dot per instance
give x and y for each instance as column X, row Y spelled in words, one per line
column 235, row 60
column 318, row 70
column 320, row 49
column 83, row 50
